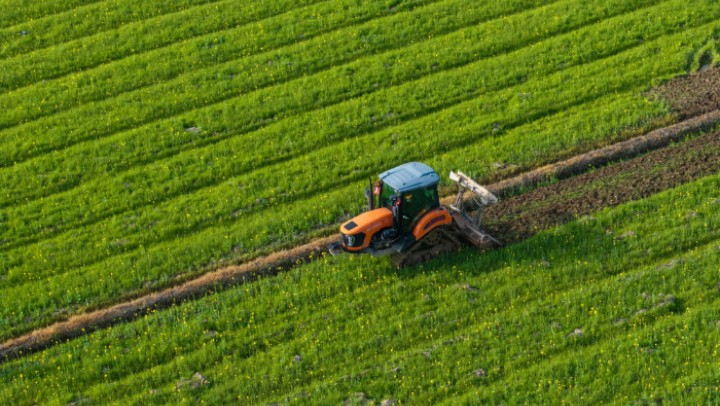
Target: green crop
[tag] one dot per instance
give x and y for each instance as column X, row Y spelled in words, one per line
column 335, row 86
column 273, row 143
column 14, row 12
column 168, row 62
column 79, row 22
column 130, row 39
column 226, row 80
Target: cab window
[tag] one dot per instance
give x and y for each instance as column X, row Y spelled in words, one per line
column 385, row 195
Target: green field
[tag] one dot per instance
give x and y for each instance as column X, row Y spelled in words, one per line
column 144, row 143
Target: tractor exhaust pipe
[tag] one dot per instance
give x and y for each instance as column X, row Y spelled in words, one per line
column 369, row 195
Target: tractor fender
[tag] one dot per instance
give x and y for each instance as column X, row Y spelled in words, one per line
column 430, row 221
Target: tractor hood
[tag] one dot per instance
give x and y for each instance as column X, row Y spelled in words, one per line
column 368, row 222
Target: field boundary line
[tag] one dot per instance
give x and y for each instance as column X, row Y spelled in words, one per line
column 287, row 259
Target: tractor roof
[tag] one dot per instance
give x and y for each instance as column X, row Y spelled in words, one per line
column 410, row 176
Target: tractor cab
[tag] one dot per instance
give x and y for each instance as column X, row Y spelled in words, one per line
column 408, row 191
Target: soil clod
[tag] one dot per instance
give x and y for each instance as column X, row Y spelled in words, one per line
column 578, row 332
column 196, row 381
column 480, row 373
column 693, row 94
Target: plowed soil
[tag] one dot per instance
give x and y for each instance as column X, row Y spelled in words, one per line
column 693, row 94
column 521, row 216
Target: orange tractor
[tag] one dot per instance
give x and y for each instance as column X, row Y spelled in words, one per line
column 406, row 220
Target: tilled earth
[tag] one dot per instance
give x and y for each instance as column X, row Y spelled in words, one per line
column 692, row 94
column 519, row 217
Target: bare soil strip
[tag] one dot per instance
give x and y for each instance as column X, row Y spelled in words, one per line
column 511, row 220
column 693, row 94
column 612, row 153
column 521, row 216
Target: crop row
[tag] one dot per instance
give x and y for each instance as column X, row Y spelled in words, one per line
column 56, row 172
column 264, row 144
column 274, row 143
column 641, row 365
column 130, row 39
column 17, row 11
column 228, row 81
column 264, row 184
column 165, row 63
column 82, row 21
column 474, row 330
column 355, row 325
column 428, row 136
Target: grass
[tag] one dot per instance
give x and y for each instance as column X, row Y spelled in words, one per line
column 64, row 26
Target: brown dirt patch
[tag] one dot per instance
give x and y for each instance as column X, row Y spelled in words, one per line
column 692, row 94
column 521, row 216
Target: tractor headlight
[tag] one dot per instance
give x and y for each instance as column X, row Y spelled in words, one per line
column 354, row 240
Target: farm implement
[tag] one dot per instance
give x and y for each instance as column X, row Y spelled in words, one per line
column 406, row 220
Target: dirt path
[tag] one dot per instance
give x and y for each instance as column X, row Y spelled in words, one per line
column 511, row 220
